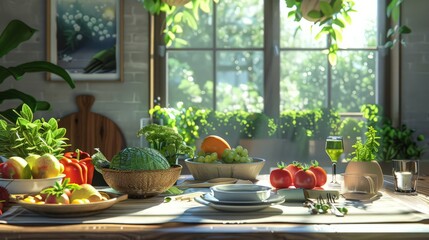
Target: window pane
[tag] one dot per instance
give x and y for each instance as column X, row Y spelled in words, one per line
column 240, row 24
column 362, row 32
column 354, row 80
column 239, row 83
column 297, row 34
column 190, row 78
column 303, row 80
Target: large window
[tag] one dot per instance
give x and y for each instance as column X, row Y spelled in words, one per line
column 249, row 55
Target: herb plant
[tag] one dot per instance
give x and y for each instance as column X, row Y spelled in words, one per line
column 27, row 136
column 366, row 151
column 167, row 141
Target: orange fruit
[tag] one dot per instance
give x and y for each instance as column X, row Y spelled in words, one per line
column 214, row 143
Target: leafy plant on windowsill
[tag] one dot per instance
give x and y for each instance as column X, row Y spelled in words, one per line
column 15, row 33
column 395, row 142
column 187, row 12
column 296, row 126
column 332, row 16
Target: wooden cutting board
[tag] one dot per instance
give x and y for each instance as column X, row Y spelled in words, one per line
column 87, row 130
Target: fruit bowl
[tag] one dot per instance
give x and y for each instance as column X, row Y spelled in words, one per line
column 206, row 171
column 28, row 186
column 141, row 183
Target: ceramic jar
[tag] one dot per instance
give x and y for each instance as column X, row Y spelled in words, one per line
column 367, row 168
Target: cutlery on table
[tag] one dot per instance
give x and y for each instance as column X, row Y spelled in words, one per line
column 331, row 200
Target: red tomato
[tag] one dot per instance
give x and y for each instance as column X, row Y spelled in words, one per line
column 293, row 168
column 281, row 178
column 305, row 179
column 319, row 172
column 321, row 176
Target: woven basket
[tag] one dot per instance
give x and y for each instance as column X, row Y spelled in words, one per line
column 176, row 2
column 142, row 183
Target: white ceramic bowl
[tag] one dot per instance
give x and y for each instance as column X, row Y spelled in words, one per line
column 241, row 192
column 206, row 171
column 26, row 186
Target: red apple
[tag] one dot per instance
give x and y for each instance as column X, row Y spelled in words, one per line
column 16, row 168
column 62, row 199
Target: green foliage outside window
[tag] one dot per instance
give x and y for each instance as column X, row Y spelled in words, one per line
column 296, row 126
column 194, row 123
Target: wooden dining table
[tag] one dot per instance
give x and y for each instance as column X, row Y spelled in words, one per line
column 392, row 216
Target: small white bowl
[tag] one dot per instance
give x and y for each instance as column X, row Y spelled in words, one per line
column 207, row 171
column 26, row 186
column 241, row 192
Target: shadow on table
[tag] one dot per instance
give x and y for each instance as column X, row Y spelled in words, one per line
column 204, row 212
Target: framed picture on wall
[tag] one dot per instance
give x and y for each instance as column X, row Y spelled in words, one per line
column 85, row 38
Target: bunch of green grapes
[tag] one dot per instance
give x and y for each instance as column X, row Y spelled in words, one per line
column 206, row 157
column 236, row 155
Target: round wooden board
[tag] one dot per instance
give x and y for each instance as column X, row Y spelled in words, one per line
column 87, row 130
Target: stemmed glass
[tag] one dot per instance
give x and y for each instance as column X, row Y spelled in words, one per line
column 334, row 148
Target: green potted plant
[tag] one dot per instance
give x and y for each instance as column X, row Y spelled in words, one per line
column 363, row 158
column 167, row 141
column 15, row 33
column 399, row 142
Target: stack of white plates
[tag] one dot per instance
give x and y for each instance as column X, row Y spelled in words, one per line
column 240, row 198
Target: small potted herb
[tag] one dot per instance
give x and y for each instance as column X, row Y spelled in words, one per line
column 363, row 158
column 167, row 141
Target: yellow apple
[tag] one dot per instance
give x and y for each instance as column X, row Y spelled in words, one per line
column 46, row 166
column 31, row 158
column 87, row 191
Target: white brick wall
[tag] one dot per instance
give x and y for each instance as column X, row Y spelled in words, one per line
column 415, row 68
column 123, row 102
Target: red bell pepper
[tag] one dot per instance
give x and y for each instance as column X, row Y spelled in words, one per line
column 78, row 167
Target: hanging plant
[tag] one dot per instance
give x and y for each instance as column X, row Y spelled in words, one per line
column 332, row 16
column 176, row 13
column 393, row 34
column 176, row 2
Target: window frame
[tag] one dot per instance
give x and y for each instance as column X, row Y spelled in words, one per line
column 271, row 53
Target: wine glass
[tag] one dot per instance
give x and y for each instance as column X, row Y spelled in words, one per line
column 334, row 148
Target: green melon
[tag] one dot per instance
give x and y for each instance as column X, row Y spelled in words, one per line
column 136, row 158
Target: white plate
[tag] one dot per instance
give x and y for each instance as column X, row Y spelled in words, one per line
column 273, row 199
column 235, row 208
